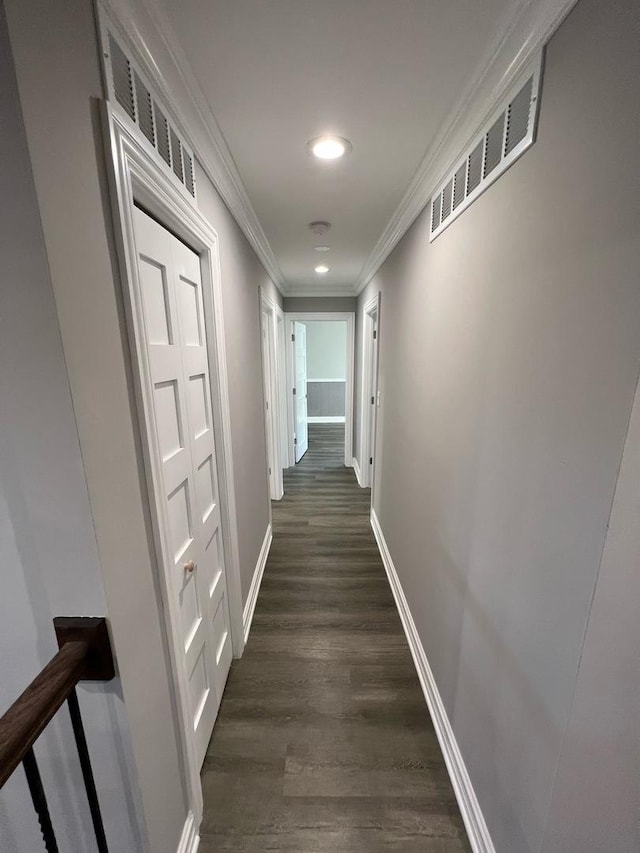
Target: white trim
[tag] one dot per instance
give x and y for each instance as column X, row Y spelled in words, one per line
column 467, row 800
column 134, row 175
column 532, row 72
column 326, row 419
column 254, row 589
column 525, row 31
column 186, row 104
column 189, row 840
column 281, row 349
column 349, row 318
column 270, row 380
column 370, row 317
column 325, row 380
column 356, row 468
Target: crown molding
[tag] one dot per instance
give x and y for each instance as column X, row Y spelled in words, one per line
column 320, row 290
column 159, row 54
column 525, row 31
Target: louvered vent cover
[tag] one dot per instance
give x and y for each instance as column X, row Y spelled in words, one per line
column 518, row 113
column 145, row 110
column 162, row 134
column 493, row 143
column 122, row 80
column 509, row 132
column 136, row 99
column 459, row 180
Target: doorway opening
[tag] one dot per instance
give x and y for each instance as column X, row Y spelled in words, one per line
column 320, row 365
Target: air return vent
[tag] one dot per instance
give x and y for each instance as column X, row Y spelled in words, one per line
column 128, row 88
column 507, row 134
column 122, row 79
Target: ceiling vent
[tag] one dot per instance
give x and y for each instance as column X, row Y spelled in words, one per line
column 128, row 89
column 320, row 227
column 508, row 133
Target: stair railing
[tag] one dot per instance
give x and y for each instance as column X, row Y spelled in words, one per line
column 85, row 654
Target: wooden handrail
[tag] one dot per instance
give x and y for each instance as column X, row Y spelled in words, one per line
column 27, row 718
column 85, row 654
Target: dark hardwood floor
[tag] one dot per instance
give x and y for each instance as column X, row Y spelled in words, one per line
column 324, row 742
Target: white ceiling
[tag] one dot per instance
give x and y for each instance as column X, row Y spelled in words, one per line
column 385, row 74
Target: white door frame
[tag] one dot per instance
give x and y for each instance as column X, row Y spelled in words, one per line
column 269, row 332
column 281, row 348
column 308, row 317
column 136, row 176
column 370, row 317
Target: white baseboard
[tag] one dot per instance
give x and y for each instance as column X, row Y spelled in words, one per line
column 250, row 606
column 326, row 419
column 190, row 839
column 356, row 468
column 467, row 801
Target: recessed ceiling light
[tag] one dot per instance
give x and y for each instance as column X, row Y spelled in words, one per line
column 329, row 147
column 322, row 269
column 322, row 248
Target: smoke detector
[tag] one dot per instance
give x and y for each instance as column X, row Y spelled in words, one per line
column 320, row 227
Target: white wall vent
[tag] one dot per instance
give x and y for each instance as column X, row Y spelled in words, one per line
column 127, row 87
column 507, row 134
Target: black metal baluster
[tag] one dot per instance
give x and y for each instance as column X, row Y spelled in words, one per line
column 87, row 772
column 39, row 801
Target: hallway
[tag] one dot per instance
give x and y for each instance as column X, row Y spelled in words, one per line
column 324, row 741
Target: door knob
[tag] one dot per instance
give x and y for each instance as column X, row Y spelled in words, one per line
column 190, row 566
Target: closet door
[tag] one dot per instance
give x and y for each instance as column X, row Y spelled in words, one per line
column 181, row 440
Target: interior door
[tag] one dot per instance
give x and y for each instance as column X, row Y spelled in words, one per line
column 181, row 444
column 373, row 395
column 268, row 398
column 300, row 397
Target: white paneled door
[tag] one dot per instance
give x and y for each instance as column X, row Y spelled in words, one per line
column 300, row 399
column 184, row 461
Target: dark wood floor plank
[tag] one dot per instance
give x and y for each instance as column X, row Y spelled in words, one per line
column 324, row 742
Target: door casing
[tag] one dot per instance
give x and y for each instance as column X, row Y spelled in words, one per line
column 370, row 318
column 307, row 317
column 271, row 382
column 136, row 176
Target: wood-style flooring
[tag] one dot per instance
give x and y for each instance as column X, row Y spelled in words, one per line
column 323, row 741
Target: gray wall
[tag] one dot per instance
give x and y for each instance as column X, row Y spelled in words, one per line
column 59, row 78
column 509, row 357
column 332, row 304
column 59, row 81
column 326, row 350
column 242, row 274
column 326, row 399
column 49, row 560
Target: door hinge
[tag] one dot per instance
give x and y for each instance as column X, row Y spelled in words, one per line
column 267, row 404
column 375, row 334
column 294, row 391
column 293, row 337
column 371, row 460
column 269, row 471
column 373, row 399
column 295, row 440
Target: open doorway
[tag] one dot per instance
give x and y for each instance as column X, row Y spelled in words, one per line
column 320, row 361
